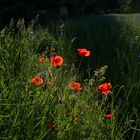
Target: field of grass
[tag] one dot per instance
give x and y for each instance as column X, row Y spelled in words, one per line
column 49, row 107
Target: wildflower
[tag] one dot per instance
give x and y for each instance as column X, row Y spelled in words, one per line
column 56, row 61
column 75, row 86
column 37, row 80
column 78, row 88
column 105, row 88
column 42, row 59
column 83, row 52
column 138, row 56
column 109, row 116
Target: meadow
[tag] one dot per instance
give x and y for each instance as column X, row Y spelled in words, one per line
column 74, row 81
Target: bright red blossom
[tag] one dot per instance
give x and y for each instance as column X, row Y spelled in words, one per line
column 42, row 59
column 57, row 61
column 105, row 88
column 75, row 86
column 83, row 52
column 78, row 88
column 37, row 80
column 109, row 116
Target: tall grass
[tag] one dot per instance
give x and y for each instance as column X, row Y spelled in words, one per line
column 50, row 111
column 55, row 111
column 114, row 40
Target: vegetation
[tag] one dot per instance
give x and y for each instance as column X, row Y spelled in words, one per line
column 80, row 94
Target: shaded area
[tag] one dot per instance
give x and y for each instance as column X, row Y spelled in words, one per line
column 50, row 9
column 114, row 41
column 101, row 35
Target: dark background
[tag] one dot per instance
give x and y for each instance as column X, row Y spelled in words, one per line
column 28, row 9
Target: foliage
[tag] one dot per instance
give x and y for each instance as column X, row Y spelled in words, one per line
column 54, row 110
column 114, row 40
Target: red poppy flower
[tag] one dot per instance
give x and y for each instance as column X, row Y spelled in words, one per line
column 75, row 86
column 56, row 61
column 83, row 52
column 37, row 80
column 109, row 116
column 105, row 88
column 42, row 59
column 78, row 88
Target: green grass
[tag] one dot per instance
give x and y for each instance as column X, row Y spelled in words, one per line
column 55, row 111
column 114, row 40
